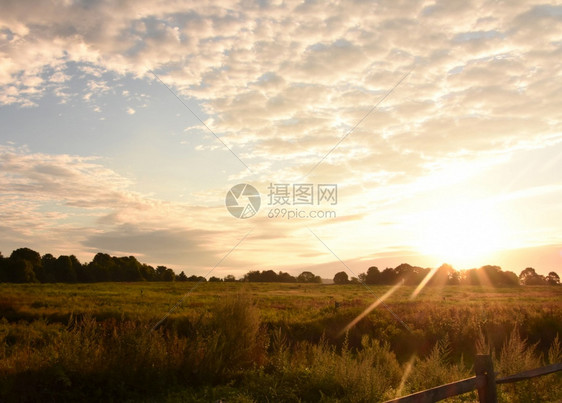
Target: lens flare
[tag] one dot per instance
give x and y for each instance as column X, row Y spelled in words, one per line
column 371, row 307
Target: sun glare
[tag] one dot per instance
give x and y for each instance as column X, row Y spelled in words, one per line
column 462, row 235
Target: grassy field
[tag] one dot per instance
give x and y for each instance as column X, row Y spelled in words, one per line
column 268, row 342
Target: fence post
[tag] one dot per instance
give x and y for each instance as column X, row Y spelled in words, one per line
column 483, row 365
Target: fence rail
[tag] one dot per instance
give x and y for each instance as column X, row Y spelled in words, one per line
column 484, row 382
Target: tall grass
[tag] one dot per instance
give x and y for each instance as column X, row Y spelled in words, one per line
column 229, row 348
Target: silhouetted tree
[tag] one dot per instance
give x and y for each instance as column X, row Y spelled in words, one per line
column 553, row 278
column 197, row 278
column 20, row 271
column 373, row 275
column 3, row 269
column 47, row 274
column 268, row 276
column 181, row 277
column 341, row 278
column 214, row 280
column 530, row 277
column 308, row 277
column 283, row 277
column 388, row 276
column 229, row 278
column 64, row 270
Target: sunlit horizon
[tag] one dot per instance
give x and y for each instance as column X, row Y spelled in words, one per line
column 124, row 128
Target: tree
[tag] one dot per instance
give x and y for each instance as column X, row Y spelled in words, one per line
column 181, row 277
column 341, row 278
column 530, row 277
column 553, row 278
column 441, row 275
column 169, row 275
column 47, row 275
column 229, row 278
column 64, row 270
column 214, row 279
column 388, row 276
column 30, row 256
column 27, row 254
column 20, row 271
column 3, row 269
column 253, row 276
column 373, row 275
column 268, row 276
column 308, row 277
column 283, row 277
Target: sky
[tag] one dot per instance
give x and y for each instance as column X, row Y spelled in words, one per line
column 373, row 133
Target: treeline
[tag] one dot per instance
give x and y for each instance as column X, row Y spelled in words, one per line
column 269, row 276
column 28, row 266
column 447, row 275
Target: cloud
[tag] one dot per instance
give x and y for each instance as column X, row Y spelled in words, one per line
column 256, row 68
column 282, row 83
column 166, row 246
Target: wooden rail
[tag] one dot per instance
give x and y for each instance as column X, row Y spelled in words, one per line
column 484, row 382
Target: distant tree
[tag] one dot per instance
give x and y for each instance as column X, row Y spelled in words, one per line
column 441, row 275
column 48, row 274
column 148, row 273
column 553, row 278
column 454, row 278
column 253, row 276
column 27, row 254
column 509, row 279
column 82, row 274
column 181, row 277
column 214, row 279
column 283, row 277
column 388, row 276
column 341, row 278
column 169, row 275
column 30, row 256
column 160, row 271
column 3, row 269
column 268, row 276
column 308, row 277
column 373, row 275
column 354, row 280
column 20, row 271
column 197, row 278
column 530, row 277
column 102, row 267
column 470, row 277
column 493, row 274
column 64, row 270
column 229, row 278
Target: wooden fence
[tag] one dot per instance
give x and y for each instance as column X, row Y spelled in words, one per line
column 484, row 382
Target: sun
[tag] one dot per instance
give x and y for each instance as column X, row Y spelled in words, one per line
column 464, row 234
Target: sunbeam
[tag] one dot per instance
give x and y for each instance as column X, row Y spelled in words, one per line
column 407, row 369
column 423, row 283
column 371, row 307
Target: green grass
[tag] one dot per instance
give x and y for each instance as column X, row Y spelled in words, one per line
column 267, row 342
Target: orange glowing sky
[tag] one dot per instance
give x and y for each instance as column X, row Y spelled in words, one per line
column 459, row 163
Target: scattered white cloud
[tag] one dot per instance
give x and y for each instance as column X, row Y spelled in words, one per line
column 283, row 82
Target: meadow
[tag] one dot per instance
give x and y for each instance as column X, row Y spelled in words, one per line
column 246, row 342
